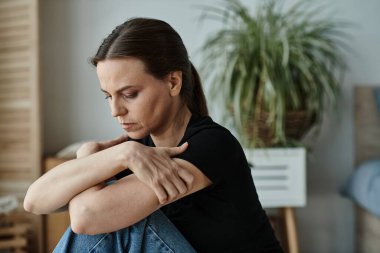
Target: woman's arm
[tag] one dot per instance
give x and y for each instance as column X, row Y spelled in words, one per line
column 58, row 186
column 103, row 209
column 153, row 166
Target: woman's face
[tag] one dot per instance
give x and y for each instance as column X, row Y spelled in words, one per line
column 140, row 102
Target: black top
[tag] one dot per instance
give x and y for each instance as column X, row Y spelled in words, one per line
column 226, row 216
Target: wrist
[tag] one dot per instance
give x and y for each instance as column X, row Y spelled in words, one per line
column 125, row 154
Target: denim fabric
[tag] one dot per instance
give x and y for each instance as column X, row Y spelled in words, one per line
column 154, row 234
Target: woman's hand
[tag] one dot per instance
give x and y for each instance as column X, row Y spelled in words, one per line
column 92, row 147
column 155, row 167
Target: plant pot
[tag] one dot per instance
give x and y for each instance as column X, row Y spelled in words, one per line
column 297, row 124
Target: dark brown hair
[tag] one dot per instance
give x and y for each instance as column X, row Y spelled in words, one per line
column 161, row 49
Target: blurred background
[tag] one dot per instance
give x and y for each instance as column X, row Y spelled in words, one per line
column 72, row 108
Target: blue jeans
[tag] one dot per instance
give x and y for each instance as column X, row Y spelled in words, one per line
column 154, row 234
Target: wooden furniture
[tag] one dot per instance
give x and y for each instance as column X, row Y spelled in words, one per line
column 20, row 148
column 280, row 179
column 14, row 237
column 56, row 223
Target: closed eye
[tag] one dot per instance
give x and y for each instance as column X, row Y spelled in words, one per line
column 130, row 95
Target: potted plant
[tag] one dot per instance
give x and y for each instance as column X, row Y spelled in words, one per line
column 277, row 71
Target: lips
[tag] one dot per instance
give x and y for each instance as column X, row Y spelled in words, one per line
column 129, row 126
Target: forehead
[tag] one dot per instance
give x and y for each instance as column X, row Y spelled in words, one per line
column 121, row 71
column 119, row 67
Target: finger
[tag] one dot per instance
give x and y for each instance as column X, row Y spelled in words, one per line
column 169, row 170
column 179, row 184
column 160, row 193
column 177, row 150
column 113, row 142
column 118, row 140
column 169, row 178
column 170, row 189
column 187, row 177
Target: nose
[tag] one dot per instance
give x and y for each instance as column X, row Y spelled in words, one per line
column 117, row 108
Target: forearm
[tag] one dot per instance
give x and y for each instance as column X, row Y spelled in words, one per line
column 106, row 208
column 103, row 209
column 57, row 187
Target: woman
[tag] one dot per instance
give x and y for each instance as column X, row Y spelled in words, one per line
column 183, row 183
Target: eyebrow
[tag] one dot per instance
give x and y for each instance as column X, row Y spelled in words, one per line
column 120, row 89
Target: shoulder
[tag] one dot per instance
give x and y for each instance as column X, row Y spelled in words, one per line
column 204, row 131
column 212, row 149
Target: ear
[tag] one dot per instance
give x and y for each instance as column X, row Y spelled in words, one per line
column 175, row 82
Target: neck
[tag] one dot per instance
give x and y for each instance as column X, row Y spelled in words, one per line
column 174, row 131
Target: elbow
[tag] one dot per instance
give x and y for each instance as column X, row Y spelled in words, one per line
column 79, row 223
column 30, row 203
column 78, row 227
column 80, row 218
column 28, row 206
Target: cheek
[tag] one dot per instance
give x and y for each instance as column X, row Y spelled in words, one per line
column 153, row 110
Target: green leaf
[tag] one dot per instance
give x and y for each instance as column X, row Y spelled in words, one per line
column 274, row 60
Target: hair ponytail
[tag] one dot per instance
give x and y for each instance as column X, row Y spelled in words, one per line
column 198, row 100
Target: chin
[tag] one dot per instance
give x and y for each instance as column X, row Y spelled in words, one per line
column 136, row 135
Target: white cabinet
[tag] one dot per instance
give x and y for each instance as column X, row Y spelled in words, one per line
column 279, row 175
